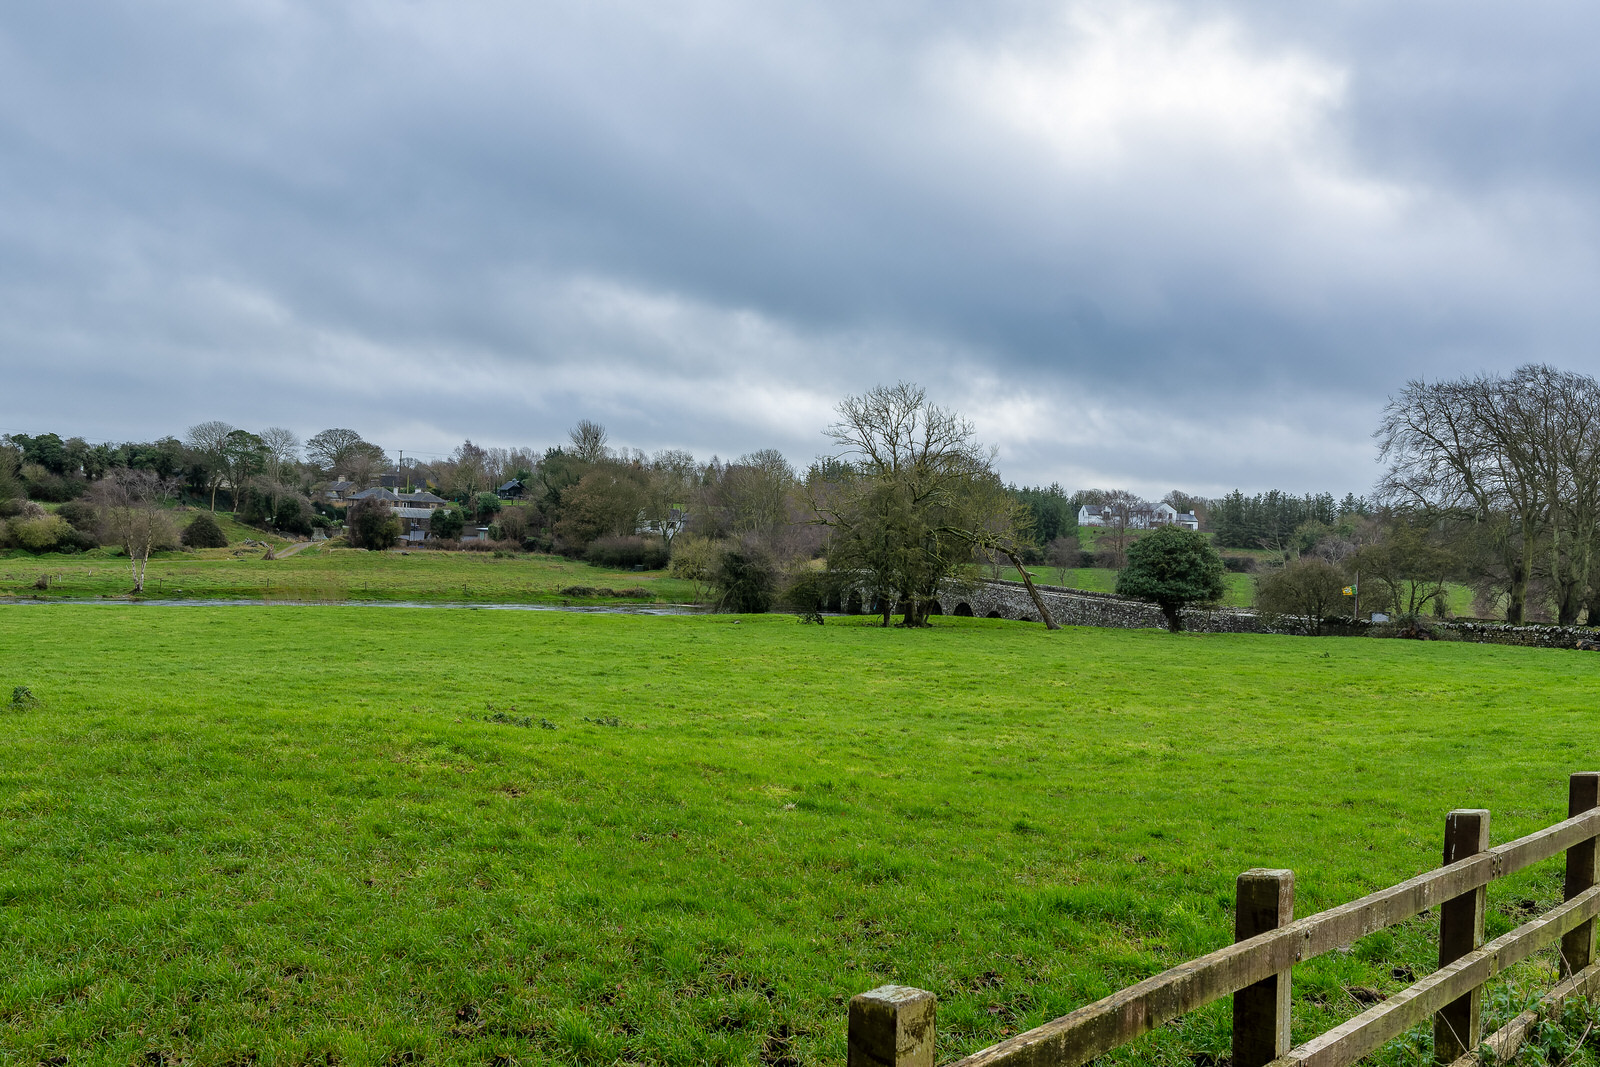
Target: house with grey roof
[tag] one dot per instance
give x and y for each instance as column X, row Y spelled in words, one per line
column 1143, row 517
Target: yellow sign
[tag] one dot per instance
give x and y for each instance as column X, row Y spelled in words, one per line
column 1349, row 590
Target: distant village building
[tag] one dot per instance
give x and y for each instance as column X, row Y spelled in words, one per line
column 420, row 499
column 1145, row 517
column 413, row 523
column 668, row 527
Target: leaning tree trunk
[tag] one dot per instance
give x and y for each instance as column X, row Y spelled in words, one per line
column 1038, row 601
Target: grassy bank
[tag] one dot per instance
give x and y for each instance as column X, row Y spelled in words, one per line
column 320, row 573
column 1240, row 588
column 289, row 835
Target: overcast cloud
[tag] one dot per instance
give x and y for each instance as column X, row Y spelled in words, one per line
column 1139, row 244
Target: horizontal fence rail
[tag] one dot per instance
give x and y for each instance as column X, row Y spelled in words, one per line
column 894, row 1026
column 1504, row 1042
column 1363, row 1034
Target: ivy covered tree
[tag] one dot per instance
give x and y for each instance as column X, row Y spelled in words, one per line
column 748, row 580
column 1172, row 567
column 371, row 524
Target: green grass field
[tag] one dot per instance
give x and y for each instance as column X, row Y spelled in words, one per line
column 1240, row 587
column 320, row 573
column 365, row 835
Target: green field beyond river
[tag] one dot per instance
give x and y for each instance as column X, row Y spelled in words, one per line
column 337, row 835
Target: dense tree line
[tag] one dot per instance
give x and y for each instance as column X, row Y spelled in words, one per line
column 1271, row 519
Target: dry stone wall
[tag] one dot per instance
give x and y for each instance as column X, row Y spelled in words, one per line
column 1077, row 607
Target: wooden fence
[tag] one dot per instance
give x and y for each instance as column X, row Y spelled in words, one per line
column 894, row 1026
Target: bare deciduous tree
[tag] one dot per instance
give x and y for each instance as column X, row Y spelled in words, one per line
column 131, row 516
column 209, row 442
column 1122, row 511
column 1310, row 587
column 283, row 450
column 1519, row 456
column 916, row 497
column 588, row 441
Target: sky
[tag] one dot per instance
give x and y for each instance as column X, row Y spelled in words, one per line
column 1139, row 245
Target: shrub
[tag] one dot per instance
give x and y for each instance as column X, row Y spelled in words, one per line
column 1239, row 564
column 253, row 507
column 498, row 548
column 42, row 533
column 486, row 504
column 371, row 524
column 632, row 551
column 748, row 580
column 294, row 516
column 1311, row 587
column 203, row 532
column 80, row 514
column 76, row 540
column 809, row 593
column 515, row 523
column 446, row 523
column 43, row 484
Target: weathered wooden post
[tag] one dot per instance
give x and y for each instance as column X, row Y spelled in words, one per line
column 1457, row 1026
column 1264, row 900
column 892, row 1026
column 1577, row 947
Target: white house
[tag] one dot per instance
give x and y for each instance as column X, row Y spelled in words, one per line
column 668, row 527
column 1140, row 517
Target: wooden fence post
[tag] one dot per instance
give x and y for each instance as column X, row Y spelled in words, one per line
column 1458, row 1025
column 1264, row 900
column 892, row 1026
column 1577, row 947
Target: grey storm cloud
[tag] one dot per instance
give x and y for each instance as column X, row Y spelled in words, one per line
column 1142, row 244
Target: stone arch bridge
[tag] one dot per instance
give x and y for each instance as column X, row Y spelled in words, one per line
column 1069, row 607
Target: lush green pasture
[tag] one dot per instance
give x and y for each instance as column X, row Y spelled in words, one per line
column 370, row 835
column 320, row 573
column 1240, row 588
